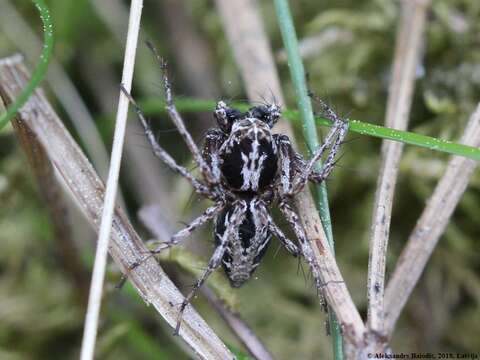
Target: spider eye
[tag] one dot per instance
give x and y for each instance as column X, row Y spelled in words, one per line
column 233, row 115
column 268, row 114
column 259, row 112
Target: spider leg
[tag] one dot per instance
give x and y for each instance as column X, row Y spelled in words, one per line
column 207, row 215
column 288, row 162
column 294, row 221
column 232, row 225
column 275, row 230
column 324, row 173
column 333, row 140
column 286, row 242
column 164, row 155
column 178, row 121
column 260, row 219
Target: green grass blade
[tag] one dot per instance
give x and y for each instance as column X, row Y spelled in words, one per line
column 415, row 139
column 153, row 106
column 41, row 68
column 304, row 104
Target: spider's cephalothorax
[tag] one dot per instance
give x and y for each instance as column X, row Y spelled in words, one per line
column 245, row 170
column 247, row 149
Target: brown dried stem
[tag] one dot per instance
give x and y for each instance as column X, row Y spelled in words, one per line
column 255, row 60
column 243, row 332
column 51, row 192
column 86, row 188
column 430, row 226
column 407, row 52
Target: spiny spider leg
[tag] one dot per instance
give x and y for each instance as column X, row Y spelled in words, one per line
column 266, row 218
column 290, row 164
column 232, row 225
column 177, row 119
column 294, row 221
column 207, row 215
column 163, row 155
column 328, row 165
column 287, row 243
column 287, row 162
column 334, row 139
column 327, row 110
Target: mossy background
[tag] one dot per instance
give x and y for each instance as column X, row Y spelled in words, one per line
column 42, row 307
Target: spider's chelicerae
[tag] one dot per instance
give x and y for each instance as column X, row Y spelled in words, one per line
column 245, row 170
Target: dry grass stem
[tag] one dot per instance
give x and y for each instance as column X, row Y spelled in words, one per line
column 86, row 188
column 242, row 331
column 100, row 264
column 247, row 36
column 430, row 226
column 151, row 187
column 408, row 48
column 51, row 192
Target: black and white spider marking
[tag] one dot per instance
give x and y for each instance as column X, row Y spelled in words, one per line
column 245, row 169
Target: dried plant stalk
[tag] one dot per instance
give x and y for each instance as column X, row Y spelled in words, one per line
column 408, row 45
column 247, row 36
column 430, row 226
column 86, row 188
column 101, row 253
column 51, row 192
column 241, row 329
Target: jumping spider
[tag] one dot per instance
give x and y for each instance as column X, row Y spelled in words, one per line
column 245, row 169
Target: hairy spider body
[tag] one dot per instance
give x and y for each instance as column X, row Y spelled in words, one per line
column 249, row 157
column 248, row 162
column 245, row 169
column 248, row 245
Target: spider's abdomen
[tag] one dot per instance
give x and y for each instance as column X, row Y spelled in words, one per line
column 247, row 247
column 249, row 157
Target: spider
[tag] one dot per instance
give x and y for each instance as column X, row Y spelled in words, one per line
column 245, row 170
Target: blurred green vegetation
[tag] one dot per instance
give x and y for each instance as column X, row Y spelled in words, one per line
column 41, row 311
